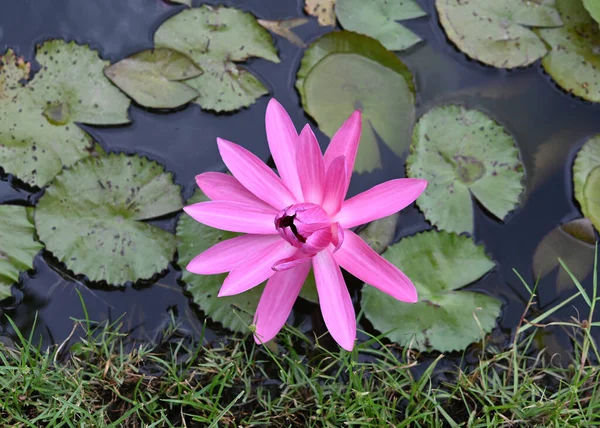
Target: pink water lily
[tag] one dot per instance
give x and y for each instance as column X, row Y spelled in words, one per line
column 296, row 221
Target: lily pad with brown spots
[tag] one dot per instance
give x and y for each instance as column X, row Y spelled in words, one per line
column 574, row 58
column 498, row 33
column 218, row 39
column 463, row 153
column 445, row 318
column 39, row 135
column 93, row 218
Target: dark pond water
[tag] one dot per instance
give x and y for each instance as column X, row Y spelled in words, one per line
column 525, row 101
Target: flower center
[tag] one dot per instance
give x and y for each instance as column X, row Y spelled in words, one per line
column 305, row 226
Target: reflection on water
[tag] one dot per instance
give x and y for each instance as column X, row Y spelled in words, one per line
column 547, row 124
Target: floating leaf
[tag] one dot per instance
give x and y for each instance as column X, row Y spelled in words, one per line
column 216, row 38
column 463, row 152
column 73, row 75
column 380, row 233
column 152, row 77
column 573, row 242
column 93, row 215
column 498, row 32
column 587, row 159
column 284, row 29
column 591, row 193
column 323, row 10
column 377, row 19
column 593, row 7
column 343, row 71
column 38, row 131
column 444, row 319
column 18, row 245
column 234, row 312
column 574, row 60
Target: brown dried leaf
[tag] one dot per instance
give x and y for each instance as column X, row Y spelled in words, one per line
column 324, row 10
column 284, row 29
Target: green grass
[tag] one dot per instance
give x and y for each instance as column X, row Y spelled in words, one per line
column 106, row 379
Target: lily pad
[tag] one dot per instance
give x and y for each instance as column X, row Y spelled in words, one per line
column 233, row 312
column 153, row 77
column 463, row 152
column 593, row 7
column 574, row 59
column 216, row 38
column 18, row 245
column 38, row 131
column 498, row 33
column 377, row 19
column 587, row 159
column 444, row 319
column 367, row 76
column 93, row 218
column 324, row 10
column 574, row 243
column 591, row 193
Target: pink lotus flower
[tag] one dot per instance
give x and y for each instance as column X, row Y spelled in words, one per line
column 297, row 220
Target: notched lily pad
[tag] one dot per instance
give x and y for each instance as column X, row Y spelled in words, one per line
column 92, row 218
column 445, row 318
column 18, row 245
column 587, row 159
column 38, row 131
column 573, row 242
column 574, row 58
column 233, row 312
column 463, row 152
column 217, row 38
column 377, row 19
column 153, row 78
column 367, row 76
column 498, row 33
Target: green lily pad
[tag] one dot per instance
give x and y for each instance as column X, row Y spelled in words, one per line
column 463, row 152
column 93, row 218
column 18, row 245
column 380, row 233
column 217, row 38
column 593, row 7
column 574, row 60
column 378, row 18
column 367, row 76
column 591, row 193
column 574, row 243
column 233, row 312
column 153, row 77
column 587, row 159
column 444, row 319
column 38, row 131
column 498, row 33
